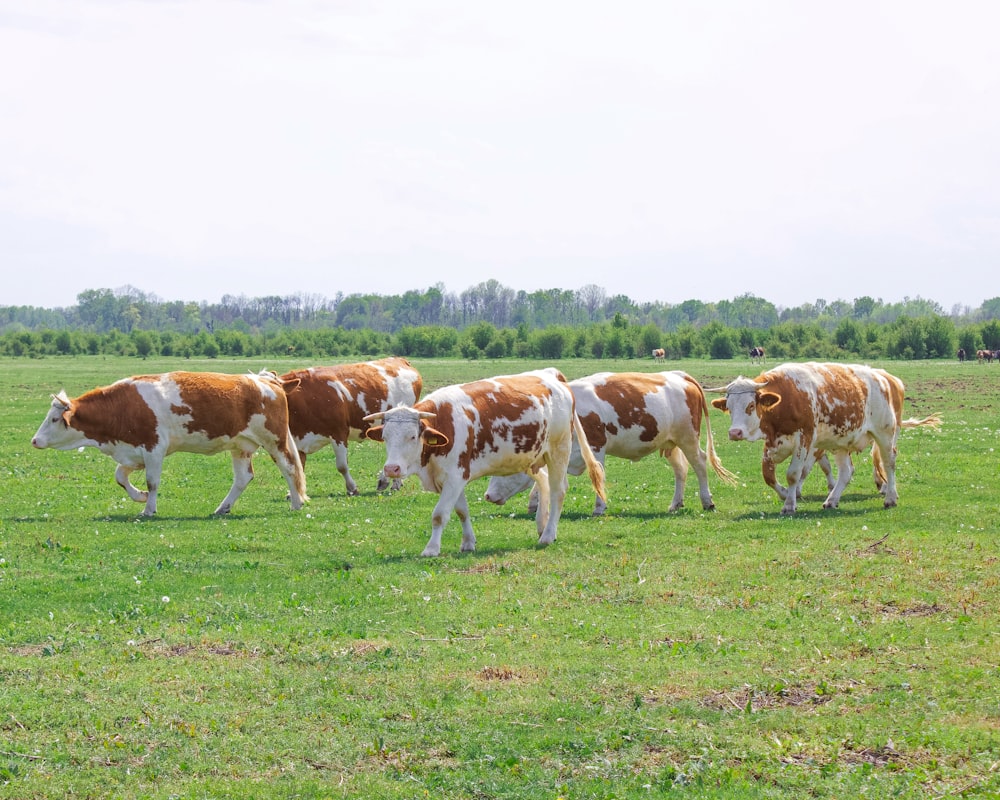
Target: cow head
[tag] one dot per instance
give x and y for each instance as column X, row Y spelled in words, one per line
column 55, row 430
column 406, row 434
column 745, row 402
column 503, row 487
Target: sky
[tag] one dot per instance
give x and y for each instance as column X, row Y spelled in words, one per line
column 659, row 149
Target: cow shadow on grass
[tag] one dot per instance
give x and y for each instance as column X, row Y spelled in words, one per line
column 851, row 505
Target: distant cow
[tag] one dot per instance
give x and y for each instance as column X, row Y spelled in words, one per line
column 633, row 414
column 756, row 355
column 139, row 421
column 961, row 354
column 984, row 355
column 330, row 404
column 659, row 354
column 495, row 426
column 800, row 410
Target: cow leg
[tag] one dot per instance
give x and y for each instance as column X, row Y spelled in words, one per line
column 242, row 475
column 768, row 468
column 540, row 493
column 154, row 469
column 698, row 459
column 450, row 494
column 884, row 454
column 558, row 485
column 468, row 535
column 121, row 478
column 824, row 464
column 845, row 471
column 533, row 497
column 341, row 450
column 291, row 464
column 797, row 470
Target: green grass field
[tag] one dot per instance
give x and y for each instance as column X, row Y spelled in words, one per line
column 728, row 654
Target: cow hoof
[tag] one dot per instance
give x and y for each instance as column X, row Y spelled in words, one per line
column 353, row 492
column 709, row 507
column 430, row 553
column 674, row 508
column 788, row 511
column 890, row 504
column 829, row 505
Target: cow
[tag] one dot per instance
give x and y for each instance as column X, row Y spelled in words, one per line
column 633, row 414
column 802, row 410
column 757, row 355
column 138, row 421
column 330, row 404
column 494, row 426
column 659, row 354
column 961, row 354
column 984, row 355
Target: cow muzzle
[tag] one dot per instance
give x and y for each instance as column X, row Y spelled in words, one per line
column 393, row 471
column 737, row 434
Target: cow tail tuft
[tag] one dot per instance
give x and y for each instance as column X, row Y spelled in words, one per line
column 933, row 421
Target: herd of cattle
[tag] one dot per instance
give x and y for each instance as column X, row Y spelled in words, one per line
column 526, row 430
column 982, row 356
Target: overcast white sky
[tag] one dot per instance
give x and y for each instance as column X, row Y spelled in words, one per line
column 663, row 150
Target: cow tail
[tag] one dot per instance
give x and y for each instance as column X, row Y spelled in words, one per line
column 713, row 458
column 594, row 468
column 933, row 421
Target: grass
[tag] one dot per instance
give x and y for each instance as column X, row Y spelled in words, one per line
column 272, row 653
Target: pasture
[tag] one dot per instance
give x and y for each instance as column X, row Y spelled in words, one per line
column 726, row 654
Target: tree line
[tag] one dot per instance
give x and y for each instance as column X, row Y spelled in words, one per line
column 904, row 338
column 493, row 321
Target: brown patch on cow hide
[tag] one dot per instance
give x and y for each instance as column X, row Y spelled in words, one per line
column 221, row 405
column 499, row 406
column 794, row 414
column 317, row 407
column 595, row 429
column 116, row 413
column 841, row 399
column 626, row 394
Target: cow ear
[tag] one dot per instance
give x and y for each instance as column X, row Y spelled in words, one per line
column 374, row 433
column 291, row 385
column 434, row 438
column 768, row 400
column 720, row 403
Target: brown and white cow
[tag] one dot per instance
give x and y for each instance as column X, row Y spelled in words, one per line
column 984, row 355
column 138, row 421
column 495, row 426
column 757, row 355
column 802, row 410
column 659, row 354
column 631, row 415
column 330, row 404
